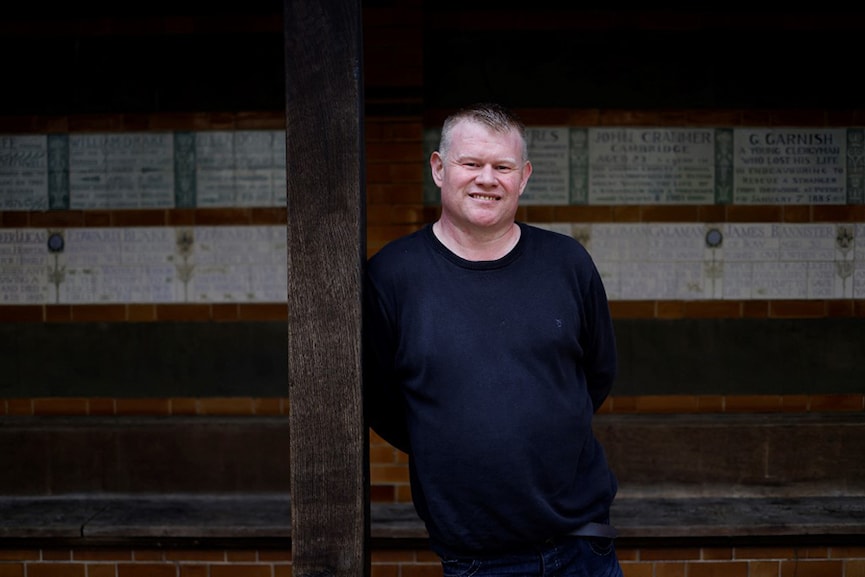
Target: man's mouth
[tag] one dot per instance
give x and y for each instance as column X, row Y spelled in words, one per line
column 483, row 196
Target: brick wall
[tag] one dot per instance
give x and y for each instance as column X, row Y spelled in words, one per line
column 395, row 207
column 395, row 171
column 714, row 561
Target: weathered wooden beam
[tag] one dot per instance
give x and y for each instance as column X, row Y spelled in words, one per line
column 326, row 247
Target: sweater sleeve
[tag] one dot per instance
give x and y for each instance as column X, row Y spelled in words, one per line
column 600, row 342
column 384, row 407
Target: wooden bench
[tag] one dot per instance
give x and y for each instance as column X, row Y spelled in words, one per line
column 773, row 477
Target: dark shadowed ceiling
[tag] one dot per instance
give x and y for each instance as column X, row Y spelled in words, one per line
column 158, row 56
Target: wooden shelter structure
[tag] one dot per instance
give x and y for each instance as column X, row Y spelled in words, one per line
column 325, row 251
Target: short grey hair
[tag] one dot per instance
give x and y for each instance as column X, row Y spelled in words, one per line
column 495, row 116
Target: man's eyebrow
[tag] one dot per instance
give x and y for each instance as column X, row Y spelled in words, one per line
column 496, row 161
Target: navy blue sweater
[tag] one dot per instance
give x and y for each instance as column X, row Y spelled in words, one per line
column 488, row 374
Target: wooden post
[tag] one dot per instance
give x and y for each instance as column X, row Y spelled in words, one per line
column 326, row 248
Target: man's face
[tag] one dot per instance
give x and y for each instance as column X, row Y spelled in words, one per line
column 482, row 177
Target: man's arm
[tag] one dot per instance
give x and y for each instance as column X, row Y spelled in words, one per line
column 384, row 407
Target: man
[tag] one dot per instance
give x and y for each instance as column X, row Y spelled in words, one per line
column 488, row 348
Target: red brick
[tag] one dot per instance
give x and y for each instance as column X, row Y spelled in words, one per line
column 225, row 406
column 239, row 570
column 143, row 406
column 99, row 313
column 22, row 314
column 194, row 570
column 718, row 569
column 139, row 217
column 60, row 406
column 19, row 554
column 669, row 569
column 101, row 570
column 11, row 570
column 58, row 570
column 211, row 555
column 183, row 312
column 802, row 568
column 146, row 570
column 753, row 403
column 184, row 406
column 632, row 309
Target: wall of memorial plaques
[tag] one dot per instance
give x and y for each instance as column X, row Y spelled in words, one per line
column 143, row 264
column 609, row 166
column 142, row 170
column 572, row 166
column 247, row 263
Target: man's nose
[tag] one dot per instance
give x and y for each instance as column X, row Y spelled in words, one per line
column 487, row 174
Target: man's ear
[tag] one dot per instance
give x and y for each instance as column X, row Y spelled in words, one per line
column 527, row 172
column 437, row 166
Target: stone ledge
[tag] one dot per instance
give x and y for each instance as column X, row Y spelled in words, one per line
column 86, row 519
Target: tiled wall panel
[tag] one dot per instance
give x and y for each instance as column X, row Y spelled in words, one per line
column 247, row 264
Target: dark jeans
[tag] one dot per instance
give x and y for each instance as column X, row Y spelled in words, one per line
column 565, row 557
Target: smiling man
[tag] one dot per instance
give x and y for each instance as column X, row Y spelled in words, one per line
column 488, row 347
column 482, row 168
